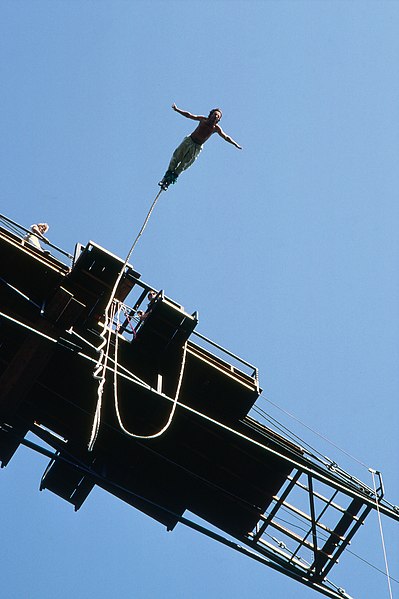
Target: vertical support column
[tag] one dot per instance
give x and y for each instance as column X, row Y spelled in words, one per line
column 159, row 383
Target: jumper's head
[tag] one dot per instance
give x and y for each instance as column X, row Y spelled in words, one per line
column 215, row 115
column 43, row 227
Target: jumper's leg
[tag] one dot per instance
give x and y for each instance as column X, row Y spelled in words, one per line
column 183, row 157
column 168, row 178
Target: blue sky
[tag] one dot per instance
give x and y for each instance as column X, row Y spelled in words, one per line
column 288, row 249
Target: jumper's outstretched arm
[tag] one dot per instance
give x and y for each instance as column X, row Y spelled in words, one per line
column 227, row 137
column 187, row 114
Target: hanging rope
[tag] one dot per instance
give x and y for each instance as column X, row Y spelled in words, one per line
column 373, row 473
column 100, row 369
column 147, row 218
column 99, row 373
column 175, row 400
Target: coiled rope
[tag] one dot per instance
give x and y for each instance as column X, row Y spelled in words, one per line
column 99, row 373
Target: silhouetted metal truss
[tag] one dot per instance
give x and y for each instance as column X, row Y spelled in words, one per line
column 259, row 492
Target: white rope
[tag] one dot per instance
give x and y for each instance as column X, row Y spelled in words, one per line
column 175, row 400
column 373, row 472
column 110, row 359
column 147, row 218
column 102, row 363
column 100, row 374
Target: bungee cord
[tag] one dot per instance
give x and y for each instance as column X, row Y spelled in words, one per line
column 101, row 366
column 99, row 374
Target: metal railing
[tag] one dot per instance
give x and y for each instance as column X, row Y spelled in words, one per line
column 253, row 369
column 22, row 233
column 206, row 344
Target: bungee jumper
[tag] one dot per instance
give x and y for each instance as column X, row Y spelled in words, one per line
column 191, row 146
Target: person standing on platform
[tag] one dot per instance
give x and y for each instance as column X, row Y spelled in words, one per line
column 37, row 233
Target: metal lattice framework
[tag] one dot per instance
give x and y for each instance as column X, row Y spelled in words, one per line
column 304, row 532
